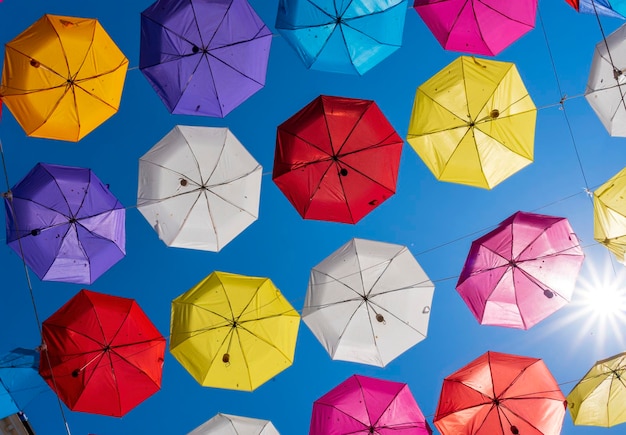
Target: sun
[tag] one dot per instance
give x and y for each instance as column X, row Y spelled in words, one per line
column 598, row 308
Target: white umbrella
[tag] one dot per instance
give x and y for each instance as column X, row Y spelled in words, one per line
column 368, row 302
column 606, row 86
column 224, row 424
column 199, row 187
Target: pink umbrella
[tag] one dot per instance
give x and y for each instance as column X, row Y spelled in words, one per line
column 521, row 272
column 483, row 27
column 362, row 405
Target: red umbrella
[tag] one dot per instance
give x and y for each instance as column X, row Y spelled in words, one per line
column 521, row 272
column 101, row 354
column 337, row 159
column 501, row 394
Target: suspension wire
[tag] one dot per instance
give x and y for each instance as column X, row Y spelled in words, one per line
column 563, row 98
column 9, row 197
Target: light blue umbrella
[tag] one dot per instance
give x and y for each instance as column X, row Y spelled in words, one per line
column 19, row 380
column 614, row 8
column 344, row 36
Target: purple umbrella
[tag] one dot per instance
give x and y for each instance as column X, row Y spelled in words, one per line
column 203, row 57
column 66, row 223
column 362, row 405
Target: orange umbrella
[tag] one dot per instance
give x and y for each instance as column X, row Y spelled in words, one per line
column 501, row 394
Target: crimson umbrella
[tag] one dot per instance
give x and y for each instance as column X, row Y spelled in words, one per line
column 203, row 57
column 501, row 394
column 521, row 272
column 483, row 27
column 66, row 223
column 337, row 159
column 101, row 354
column 363, row 405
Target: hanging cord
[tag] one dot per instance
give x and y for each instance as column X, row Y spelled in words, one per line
column 9, row 197
column 563, row 99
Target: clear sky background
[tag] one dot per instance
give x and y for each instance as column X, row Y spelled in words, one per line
column 436, row 220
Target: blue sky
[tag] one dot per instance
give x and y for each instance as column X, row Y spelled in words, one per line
column 436, row 220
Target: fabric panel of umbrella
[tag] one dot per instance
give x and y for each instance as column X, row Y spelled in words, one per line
column 599, row 398
column 19, row 380
column 368, row 302
column 345, row 37
column 62, row 77
column 337, row 159
column 364, row 405
column 199, row 187
column 203, row 57
column 484, row 27
column 606, row 85
column 501, row 394
column 101, row 354
column 233, row 331
column 226, row 424
column 65, row 224
column 473, row 122
column 522, row 271
column 609, row 215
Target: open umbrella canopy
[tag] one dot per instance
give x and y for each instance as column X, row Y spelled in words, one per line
column 62, row 77
column 233, row 331
column 338, row 36
column 337, row 159
column 606, row 85
column 19, row 380
column 65, row 223
column 521, row 272
column 473, row 122
column 203, row 57
column 101, row 354
column 609, row 215
column 364, row 405
column 484, row 27
column 199, row 187
column 368, row 302
column 226, row 424
column 501, row 394
column 599, row 398
column 600, row 7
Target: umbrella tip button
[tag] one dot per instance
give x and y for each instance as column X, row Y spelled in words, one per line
column 75, row 373
column 226, row 358
column 195, row 49
column 34, row 63
column 183, row 182
column 343, row 172
column 494, row 113
column 547, row 293
column 35, row 232
column 380, row 318
column 514, row 430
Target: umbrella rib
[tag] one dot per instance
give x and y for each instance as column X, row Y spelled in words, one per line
column 77, row 84
column 395, row 396
column 41, row 65
column 197, row 163
column 352, row 129
column 369, row 422
column 184, row 221
column 380, row 275
column 352, row 417
column 403, row 321
column 165, row 168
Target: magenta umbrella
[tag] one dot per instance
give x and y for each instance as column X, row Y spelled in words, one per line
column 362, row 405
column 521, row 272
column 483, row 27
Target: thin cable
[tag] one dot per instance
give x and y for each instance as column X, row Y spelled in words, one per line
column 9, row 198
column 562, row 102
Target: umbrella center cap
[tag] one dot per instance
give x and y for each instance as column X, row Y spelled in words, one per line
column 496, row 401
column 107, row 348
column 512, row 263
column 73, row 220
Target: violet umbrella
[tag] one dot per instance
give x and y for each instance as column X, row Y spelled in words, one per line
column 203, row 57
column 521, row 272
column 65, row 223
column 363, row 405
column 484, row 27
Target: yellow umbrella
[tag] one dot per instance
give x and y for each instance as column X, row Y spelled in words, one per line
column 599, row 398
column 62, row 77
column 609, row 215
column 233, row 331
column 473, row 122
